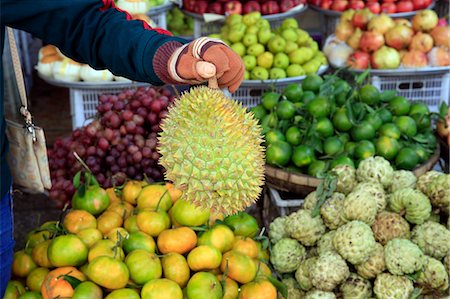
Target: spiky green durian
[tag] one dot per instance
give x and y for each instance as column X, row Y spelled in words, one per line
column 211, row 149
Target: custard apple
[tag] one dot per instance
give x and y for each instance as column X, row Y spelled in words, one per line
column 433, row 276
column 293, row 291
column 317, row 294
column 388, row 286
column 331, row 210
column 432, row 238
column 287, row 255
column 359, row 205
column 424, row 181
column 403, row 179
column 303, row 273
column 434, row 217
column 412, row 203
column 356, row 287
column 403, row 257
column 440, row 191
column 310, row 201
column 329, row 271
column 277, row 229
column 374, row 265
column 447, row 262
column 375, row 169
column 377, row 191
column 325, row 244
column 346, row 178
column 354, row 241
column 388, row 226
column 303, row 227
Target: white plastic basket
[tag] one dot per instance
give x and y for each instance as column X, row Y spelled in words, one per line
column 158, row 14
column 284, row 206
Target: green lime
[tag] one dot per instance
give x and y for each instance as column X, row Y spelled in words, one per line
column 419, row 108
column 341, row 90
column 406, row 125
column 285, row 109
column 423, row 121
column 387, row 95
column 429, row 139
column 385, row 115
column 341, row 121
column 363, row 131
column 324, row 127
column 293, row 92
column 271, row 120
column 312, row 83
column 375, row 120
column 344, row 137
column 270, row 100
column 332, row 145
column 258, row 111
column 389, row 130
column 308, row 96
column 317, row 167
column 421, row 152
column 274, row 135
column 364, row 149
column 399, row 105
column 302, row 156
column 387, row 147
column 369, row 94
column 407, row 159
column 342, row 160
column 278, row 153
column 350, row 148
column 293, row 135
column 319, row 107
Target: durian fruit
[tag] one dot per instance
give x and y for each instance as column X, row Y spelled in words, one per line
column 325, row 244
column 318, row 294
column 375, row 169
column 303, row 273
column 433, row 276
column 211, row 149
column 403, row 257
column 277, row 229
column 356, row 287
column 377, row 191
column 292, row 289
column 415, row 206
column 403, row 179
column 388, row 286
column 310, row 201
column 388, row 226
column 331, row 210
column 374, row 265
column 287, row 255
column 346, row 178
column 359, row 205
column 432, row 238
column 424, row 181
column 439, row 191
column 354, row 241
column 329, row 271
column 303, row 227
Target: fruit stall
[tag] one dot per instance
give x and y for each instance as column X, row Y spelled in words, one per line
column 325, row 175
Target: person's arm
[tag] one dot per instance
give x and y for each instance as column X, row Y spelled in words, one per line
column 94, row 32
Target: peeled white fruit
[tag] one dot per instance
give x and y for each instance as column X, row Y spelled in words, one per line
column 133, row 6
column 45, row 65
column 121, row 79
column 66, row 70
column 331, row 42
column 89, row 74
column 339, row 55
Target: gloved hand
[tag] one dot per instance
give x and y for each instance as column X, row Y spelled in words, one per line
column 229, row 65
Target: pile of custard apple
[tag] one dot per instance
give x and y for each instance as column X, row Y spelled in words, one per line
column 381, row 234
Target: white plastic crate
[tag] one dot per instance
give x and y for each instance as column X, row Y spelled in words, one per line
column 158, row 14
column 284, row 206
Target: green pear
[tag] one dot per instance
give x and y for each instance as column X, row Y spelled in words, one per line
column 236, row 32
column 253, row 29
column 264, row 35
column 276, row 44
column 239, row 48
column 249, row 62
column 302, row 37
column 215, row 35
column 233, row 19
column 289, row 23
column 321, row 57
column 289, row 35
column 255, row 49
column 295, row 70
column 277, row 73
column 301, row 55
column 311, row 67
column 259, row 73
column 290, row 46
column 265, row 60
column 249, row 39
column 247, row 75
column 281, row 60
column 263, row 23
column 251, row 18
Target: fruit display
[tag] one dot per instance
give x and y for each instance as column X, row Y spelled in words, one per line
column 139, row 6
column 364, row 40
column 370, row 253
column 376, row 7
column 223, row 7
column 287, row 51
column 143, row 241
column 323, row 122
column 120, row 143
column 179, row 24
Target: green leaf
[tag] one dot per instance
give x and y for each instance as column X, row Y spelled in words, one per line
column 325, row 189
column 76, row 180
column 74, row 282
column 281, row 287
column 416, row 293
column 82, row 190
column 387, row 95
column 443, row 109
column 94, row 181
column 362, row 77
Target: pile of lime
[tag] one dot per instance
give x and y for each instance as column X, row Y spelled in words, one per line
column 326, row 121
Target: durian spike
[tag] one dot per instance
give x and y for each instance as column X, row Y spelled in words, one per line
column 207, row 71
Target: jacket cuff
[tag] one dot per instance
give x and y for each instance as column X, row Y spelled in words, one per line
column 161, row 61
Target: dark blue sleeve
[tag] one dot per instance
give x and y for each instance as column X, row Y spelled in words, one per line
column 92, row 32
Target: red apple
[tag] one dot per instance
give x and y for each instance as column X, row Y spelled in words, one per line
column 388, row 7
column 372, row 1
column 315, row 2
column 381, row 23
column 201, row 7
column 298, row 2
column 439, row 56
column 405, row 6
column 270, row 7
column 353, row 39
column 442, row 22
column 344, row 30
column 422, row 42
column 414, row 59
column 285, row 5
column 371, row 41
column 356, row 4
column 399, row 37
column 358, row 60
column 251, row 6
column 427, row 3
column 418, row 4
column 361, row 18
column 374, row 7
column 402, row 21
column 326, row 4
column 215, row 7
column 425, row 20
column 385, row 58
column 441, row 36
column 339, row 5
column 233, row 7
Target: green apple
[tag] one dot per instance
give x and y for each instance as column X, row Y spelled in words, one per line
column 236, row 32
column 264, row 35
column 215, row 35
column 289, row 34
column 276, row 44
column 290, row 46
column 249, row 39
column 289, row 23
column 239, row 48
column 253, row 29
column 255, row 49
column 301, row 55
column 281, row 60
column 249, row 62
column 233, row 19
column 321, row 57
column 295, row 70
column 246, row 75
column 263, row 23
column 265, row 60
column 227, row 42
column 277, row 73
column 259, row 73
column 224, row 32
column 311, row 67
column 251, row 18
column 302, row 37
column 314, row 46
